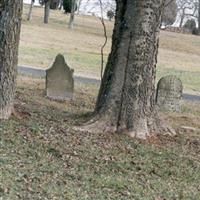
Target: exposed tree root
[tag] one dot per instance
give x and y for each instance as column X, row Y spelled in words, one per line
column 165, row 128
column 99, row 125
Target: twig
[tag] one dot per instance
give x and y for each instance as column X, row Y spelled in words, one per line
column 106, row 39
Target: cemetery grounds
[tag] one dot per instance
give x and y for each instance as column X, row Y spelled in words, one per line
column 43, row 157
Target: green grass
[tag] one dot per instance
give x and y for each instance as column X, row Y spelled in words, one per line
column 43, row 157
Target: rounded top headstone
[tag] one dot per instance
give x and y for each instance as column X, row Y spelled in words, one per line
column 170, row 82
column 169, row 93
column 59, row 80
column 59, row 59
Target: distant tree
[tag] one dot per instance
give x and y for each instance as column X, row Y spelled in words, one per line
column 67, row 5
column 41, row 2
column 169, row 13
column 46, row 4
column 46, row 11
column 60, row 4
column 79, row 3
column 10, row 25
column 191, row 26
column 110, row 15
column 187, row 8
column 199, row 17
column 72, row 14
column 54, row 4
column 30, row 10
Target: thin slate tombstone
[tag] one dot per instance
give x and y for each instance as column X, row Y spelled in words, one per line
column 169, row 93
column 59, row 80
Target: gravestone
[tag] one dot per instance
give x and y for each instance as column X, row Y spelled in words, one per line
column 59, row 80
column 169, row 93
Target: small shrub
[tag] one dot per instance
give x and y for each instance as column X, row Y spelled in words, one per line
column 190, row 24
column 67, row 6
column 110, row 15
column 195, row 31
column 41, row 2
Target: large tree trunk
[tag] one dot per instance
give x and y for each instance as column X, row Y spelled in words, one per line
column 72, row 14
column 126, row 100
column 199, row 18
column 46, row 11
column 30, row 10
column 10, row 23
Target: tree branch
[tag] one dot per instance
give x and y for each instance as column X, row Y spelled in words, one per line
column 106, row 39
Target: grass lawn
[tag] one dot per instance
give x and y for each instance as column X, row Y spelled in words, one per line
column 43, row 157
column 179, row 54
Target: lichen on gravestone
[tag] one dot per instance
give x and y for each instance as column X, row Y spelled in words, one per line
column 169, row 93
column 59, row 80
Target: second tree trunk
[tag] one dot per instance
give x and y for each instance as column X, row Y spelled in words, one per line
column 126, row 99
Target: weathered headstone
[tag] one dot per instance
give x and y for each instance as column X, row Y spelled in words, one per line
column 59, row 80
column 169, row 93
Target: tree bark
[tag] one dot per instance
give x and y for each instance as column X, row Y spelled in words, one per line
column 10, row 24
column 72, row 14
column 30, row 10
column 46, row 11
column 61, row 5
column 199, row 18
column 126, row 100
column 182, row 18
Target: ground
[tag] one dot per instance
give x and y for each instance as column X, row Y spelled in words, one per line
column 179, row 54
column 43, row 157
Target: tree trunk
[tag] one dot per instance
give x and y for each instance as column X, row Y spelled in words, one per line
column 60, row 4
column 46, row 11
column 199, row 18
column 182, row 18
column 79, row 6
column 72, row 14
column 10, row 23
column 30, row 10
column 126, row 100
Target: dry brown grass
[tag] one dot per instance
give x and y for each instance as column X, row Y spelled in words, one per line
column 179, row 51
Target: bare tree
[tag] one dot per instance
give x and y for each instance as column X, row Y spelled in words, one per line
column 186, row 8
column 170, row 12
column 30, row 10
column 72, row 14
column 46, row 11
column 60, row 4
column 79, row 3
column 199, row 16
